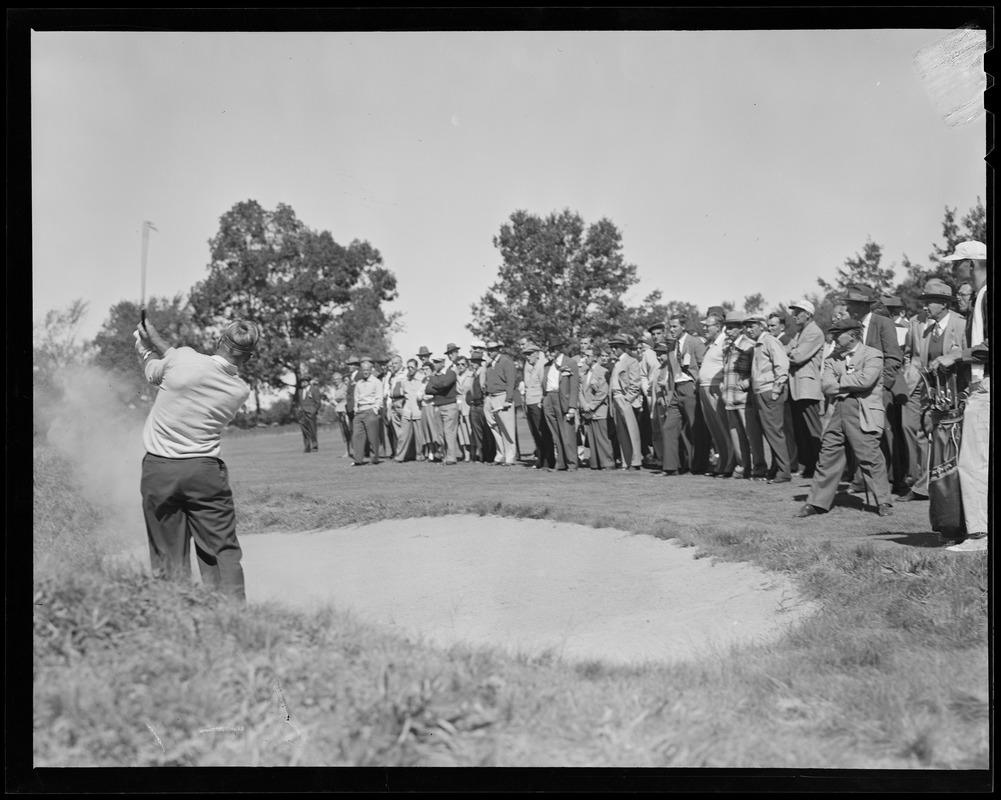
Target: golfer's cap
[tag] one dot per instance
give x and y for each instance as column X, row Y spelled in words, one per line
column 803, row 305
column 969, row 250
column 845, row 324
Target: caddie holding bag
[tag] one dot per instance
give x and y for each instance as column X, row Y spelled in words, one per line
column 946, row 417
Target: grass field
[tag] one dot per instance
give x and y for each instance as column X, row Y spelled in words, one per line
column 891, row 673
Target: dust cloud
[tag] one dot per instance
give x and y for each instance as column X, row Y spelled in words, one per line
column 93, row 428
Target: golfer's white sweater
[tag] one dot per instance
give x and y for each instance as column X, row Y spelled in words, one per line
column 198, row 397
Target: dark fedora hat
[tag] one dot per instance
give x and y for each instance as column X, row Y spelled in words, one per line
column 937, row 289
column 858, row 293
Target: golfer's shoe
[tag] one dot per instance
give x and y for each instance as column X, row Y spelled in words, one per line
column 974, row 543
column 807, row 511
column 884, row 509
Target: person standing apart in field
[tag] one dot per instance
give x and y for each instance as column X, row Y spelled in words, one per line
column 185, row 484
column 975, row 446
column 368, row 400
column 309, row 408
column 852, row 378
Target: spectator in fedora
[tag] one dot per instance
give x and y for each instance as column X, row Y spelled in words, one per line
column 898, row 315
column 877, row 331
column 737, row 357
column 500, row 384
column 852, row 377
column 662, row 399
column 560, row 394
column 593, row 405
column 711, row 391
column 806, row 358
column 766, row 402
column 658, row 332
column 309, row 409
column 624, row 385
column 943, row 333
column 970, row 264
column 535, row 365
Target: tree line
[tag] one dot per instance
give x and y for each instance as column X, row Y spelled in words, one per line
column 320, row 300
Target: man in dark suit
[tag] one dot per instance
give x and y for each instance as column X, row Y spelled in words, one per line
column 878, row 331
column 560, row 396
column 309, row 409
column 688, row 353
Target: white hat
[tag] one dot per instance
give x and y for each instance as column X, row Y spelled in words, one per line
column 805, row 305
column 969, row 250
column 494, row 345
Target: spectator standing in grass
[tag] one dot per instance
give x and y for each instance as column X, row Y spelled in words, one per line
column 463, row 383
column 806, row 363
column 711, row 392
column 658, row 332
column 852, row 378
column 662, row 395
column 593, row 405
column 943, row 333
column 340, row 403
column 737, row 357
column 766, row 400
column 535, row 365
column 974, row 450
column 500, row 384
column 441, row 392
column 408, row 394
column 560, row 394
column 368, row 400
column 310, row 400
column 482, row 445
column 688, row 354
column 185, row 484
column 624, row 385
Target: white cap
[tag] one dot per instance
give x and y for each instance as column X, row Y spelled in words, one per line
column 805, row 305
column 969, row 250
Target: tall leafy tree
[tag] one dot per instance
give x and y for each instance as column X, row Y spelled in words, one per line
column 654, row 309
column 314, row 298
column 55, row 342
column 862, row 268
column 558, row 277
column 973, row 225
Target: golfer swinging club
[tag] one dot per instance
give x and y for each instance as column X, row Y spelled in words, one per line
column 185, row 485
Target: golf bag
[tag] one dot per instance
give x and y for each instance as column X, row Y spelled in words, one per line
column 945, row 500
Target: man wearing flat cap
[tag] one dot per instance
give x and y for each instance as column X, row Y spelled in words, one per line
column 852, row 378
column 942, row 332
column 879, row 332
column 970, row 264
column 560, row 395
column 806, row 359
column 535, row 365
column 500, row 385
column 627, row 399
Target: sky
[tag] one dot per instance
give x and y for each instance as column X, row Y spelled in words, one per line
column 732, row 162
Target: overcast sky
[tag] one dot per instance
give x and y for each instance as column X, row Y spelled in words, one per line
column 733, row 162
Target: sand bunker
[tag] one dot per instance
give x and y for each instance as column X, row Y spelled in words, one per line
column 527, row 586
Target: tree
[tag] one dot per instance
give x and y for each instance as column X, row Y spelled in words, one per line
column 636, row 320
column 114, row 345
column 974, row 226
column 54, row 349
column 862, row 268
column 313, row 297
column 754, row 304
column 558, row 278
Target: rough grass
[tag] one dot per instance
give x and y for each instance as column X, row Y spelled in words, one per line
column 890, row 673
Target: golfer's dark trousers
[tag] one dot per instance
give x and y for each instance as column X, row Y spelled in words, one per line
column 678, row 420
column 366, row 432
column 545, row 455
column 483, row 447
column 185, row 499
column 807, row 429
column 307, row 421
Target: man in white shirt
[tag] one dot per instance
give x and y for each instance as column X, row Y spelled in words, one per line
column 974, row 449
column 185, row 485
column 711, row 394
column 368, row 401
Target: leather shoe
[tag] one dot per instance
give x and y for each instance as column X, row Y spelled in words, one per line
column 910, row 497
column 807, row 511
column 779, row 480
column 884, row 510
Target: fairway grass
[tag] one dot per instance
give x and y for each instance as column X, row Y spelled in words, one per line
column 890, row 673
